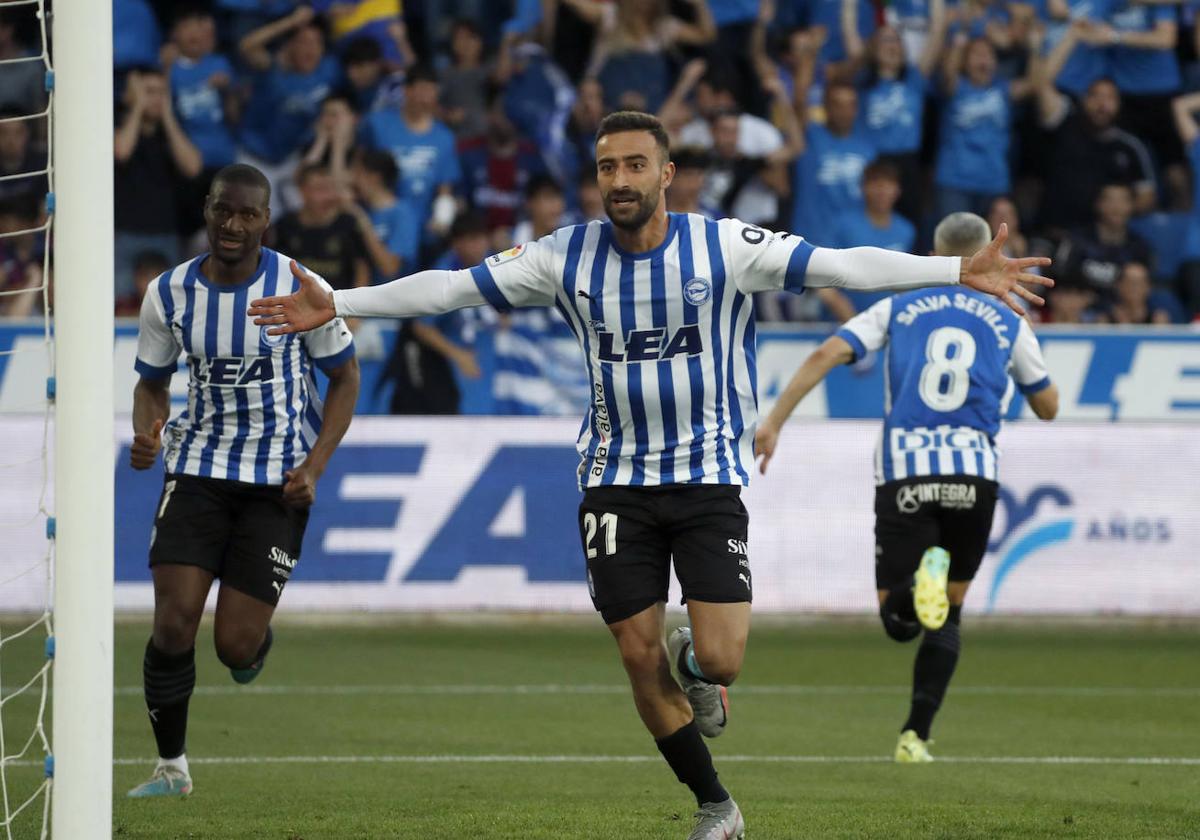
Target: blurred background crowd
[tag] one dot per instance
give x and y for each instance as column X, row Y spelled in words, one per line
column 434, row 132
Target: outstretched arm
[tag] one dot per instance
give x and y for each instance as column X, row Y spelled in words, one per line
column 835, row 351
column 423, row 293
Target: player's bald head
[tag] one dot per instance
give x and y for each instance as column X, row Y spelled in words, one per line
column 961, row 235
column 240, row 174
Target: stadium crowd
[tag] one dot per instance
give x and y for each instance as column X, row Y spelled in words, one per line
column 431, row 134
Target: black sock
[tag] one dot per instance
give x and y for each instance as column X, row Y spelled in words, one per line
column 899, row 602
column 689, row 757
column 932, row 670
column 169, row 680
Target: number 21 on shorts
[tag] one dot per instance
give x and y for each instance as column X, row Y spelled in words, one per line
column 606, row 523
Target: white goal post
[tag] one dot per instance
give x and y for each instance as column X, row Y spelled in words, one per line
column 83, row 474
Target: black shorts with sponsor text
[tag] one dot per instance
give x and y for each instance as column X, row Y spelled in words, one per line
column 951, row 511
column 245, row 534
column 631, row 534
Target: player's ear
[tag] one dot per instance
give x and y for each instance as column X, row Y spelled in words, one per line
column 668, row 174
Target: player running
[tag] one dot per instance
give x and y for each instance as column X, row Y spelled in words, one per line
column 661, row 303
column 242, row 460
column 949, row 358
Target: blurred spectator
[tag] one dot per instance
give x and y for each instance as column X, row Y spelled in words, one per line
column 390, row 231
column 146, row 266
column 22, row 252
column 828, row 175
column 1087, row 149
column 876, row 224
column 589, row 203
column 584, row 121
column 893, row 94
column 1004, row 212
column 466, row 82
column 333, row 135
column 976, row 128
column 1167, row 229
column 429, row 350
column 755, row 137
column 200, row 86
column 1131, row 302
column 1184, row 109
column 545, row 207
column 23, row 83
column 1084, row 59
column 827, row 15
column 496, row 165
column 1142, row 62
column 1093, row 257
column 320, row 235
column 370, row 83
column 686, row 193
column 153, row 155
column 136, row 35
column 423, row 149
column 1071, row 301
column 736, row 22
column 538, row 98
column 286, row 96
column 379, row 20
column 241, row 17
column 17, row 156
column 630, row 56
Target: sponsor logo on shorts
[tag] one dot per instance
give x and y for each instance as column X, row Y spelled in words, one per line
column 744, row 578
column 952, row 495
column 284, row 563
column 738, row 547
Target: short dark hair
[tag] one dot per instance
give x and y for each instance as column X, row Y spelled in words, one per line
column 622, row 121
column 362, row 50
column 380, row 163
column 542, row 183
column 190, row 11
column 468, row 223
column 421, row 73
column 308, row 170
column 467, row 24
column 881, row 169
column 244, row 175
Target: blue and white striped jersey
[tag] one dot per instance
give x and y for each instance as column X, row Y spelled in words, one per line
column 668, row 337
column 947, row 371
column 253, row 408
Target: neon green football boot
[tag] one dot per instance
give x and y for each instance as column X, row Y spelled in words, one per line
column 929, row 589
column 912, row 750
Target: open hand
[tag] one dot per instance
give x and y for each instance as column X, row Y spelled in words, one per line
column 765, row 441
column 988, row 270
column 310, row 307
column 143, row 452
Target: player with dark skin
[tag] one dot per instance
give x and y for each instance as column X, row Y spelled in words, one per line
column 236, row 216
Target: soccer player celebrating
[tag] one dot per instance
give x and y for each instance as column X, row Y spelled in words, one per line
column 950, row 356
column 661, row 304
column 242, row 460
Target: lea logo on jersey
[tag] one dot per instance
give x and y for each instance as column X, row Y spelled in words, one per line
column 652, row 345
column 234, row 371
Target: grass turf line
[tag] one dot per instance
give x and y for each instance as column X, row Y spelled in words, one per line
column 641, row 799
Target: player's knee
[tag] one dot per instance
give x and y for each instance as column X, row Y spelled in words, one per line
column 642, row 658
column 175, row 632
column 237, row 649
column 720, row 666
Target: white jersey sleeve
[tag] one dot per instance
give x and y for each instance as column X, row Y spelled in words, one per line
column 1028, row 367
column 868, row 330
column 157, row 349
column 330, row 345
column 762, row 260
column 521, row 276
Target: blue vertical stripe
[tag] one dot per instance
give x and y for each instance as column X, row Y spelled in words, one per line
column 262, row 457
column 627, row 295
column 196, row 393
column 691, row 315
column 596, row 308
column 241, row 401
column 735, row 405
column 959, row 465
column 570, row 267
column 212, row 321
column 666, row 384
column 889, row 469
column 979, row 463
column 168, row 304
column 716, row 263
column 291, row 348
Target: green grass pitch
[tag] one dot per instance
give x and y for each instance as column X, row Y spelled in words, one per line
column 512, row 729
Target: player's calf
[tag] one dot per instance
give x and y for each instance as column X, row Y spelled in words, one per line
column 244, row 655
column 936, row 660
column 168, row 682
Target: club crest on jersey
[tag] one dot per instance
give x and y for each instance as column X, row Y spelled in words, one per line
column 268, row 339
column 506, row 256
column 697, row 290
